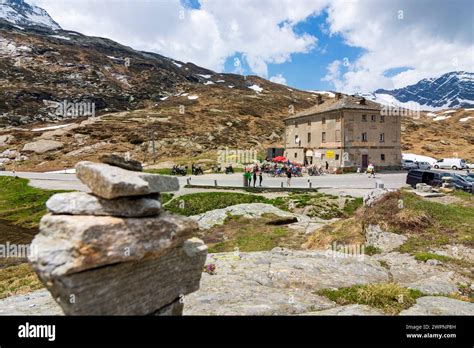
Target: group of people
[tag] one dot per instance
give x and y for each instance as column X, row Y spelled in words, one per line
column 253, row 173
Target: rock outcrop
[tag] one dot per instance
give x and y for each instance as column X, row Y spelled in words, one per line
column 42, row 146
column 122, row 256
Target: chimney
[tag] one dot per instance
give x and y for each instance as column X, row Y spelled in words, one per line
column 362, row 101
column 338, row 95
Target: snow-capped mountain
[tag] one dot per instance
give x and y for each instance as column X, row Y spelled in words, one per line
column 21, row 13
column 453, row 90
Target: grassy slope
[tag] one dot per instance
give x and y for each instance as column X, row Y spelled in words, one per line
column 22, row 204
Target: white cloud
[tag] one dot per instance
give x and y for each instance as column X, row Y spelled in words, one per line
column 429, row 37
column 261, row 31
column 279, row 78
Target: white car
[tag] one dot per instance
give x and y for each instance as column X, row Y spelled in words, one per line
column 470, row 165
column 450, row 163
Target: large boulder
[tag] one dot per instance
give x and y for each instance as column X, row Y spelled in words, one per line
column 386, row 241
column 111, row 182
column 81, row 203
column 42, row 146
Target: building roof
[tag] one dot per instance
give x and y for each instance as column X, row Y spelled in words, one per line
column 345, row 102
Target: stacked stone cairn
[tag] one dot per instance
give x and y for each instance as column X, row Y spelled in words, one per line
column 114, row 251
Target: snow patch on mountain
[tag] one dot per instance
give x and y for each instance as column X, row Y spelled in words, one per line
column 19, row 12
column 453, row 90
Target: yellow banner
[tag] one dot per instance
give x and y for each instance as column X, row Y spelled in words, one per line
column 329, row 154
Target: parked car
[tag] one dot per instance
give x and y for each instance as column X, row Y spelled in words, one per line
column 408, row 164
column 470, row 165
column 435, row 179
column 450, row 163
column 469, row 177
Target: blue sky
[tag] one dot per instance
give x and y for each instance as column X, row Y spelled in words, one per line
column 343, row 45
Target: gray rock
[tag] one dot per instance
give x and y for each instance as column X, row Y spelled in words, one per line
column 6, row 139
column 67, row 244
column 278, row 282
column 386, row 241
column 119, row 161
column 438, row 305
column 81, row 203
column 147, row 286
column 430, row 279
column 373, row 196
column 111, row 182
column 35, row 303
column 253, row 210
column 353, row 309
column 42, row 146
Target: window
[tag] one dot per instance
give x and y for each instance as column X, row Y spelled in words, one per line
column 323, row 137
column 309, row 137
column 382, row 157
column 337, row 157
column 382, row 119
column 309, row 123
column 297, row 140
column 373, row 118
column 296, row 154
column 364, row 136
column 382, row 137
column 323, row 120
column 364, row 118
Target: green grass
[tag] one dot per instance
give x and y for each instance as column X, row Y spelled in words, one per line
column 352, row 205
column 22, row 204
column 248, row 239
column 198, row 203
column 390, row 298
column 371, row 250
column 430, row 256
column 18, row 279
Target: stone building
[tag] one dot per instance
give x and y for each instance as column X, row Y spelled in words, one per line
column 345, row 131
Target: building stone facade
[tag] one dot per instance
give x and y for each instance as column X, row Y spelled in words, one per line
column 345, row 131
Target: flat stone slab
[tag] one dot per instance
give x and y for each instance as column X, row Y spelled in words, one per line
column 217, row 217
column 119, row 161
column 438, row 305
column 112, row 182
column 42, row 146
column 353, row 309
column 144, row 287
column 68, row 244
column 81, row 203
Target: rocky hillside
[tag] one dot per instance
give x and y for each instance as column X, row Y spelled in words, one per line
column 154, row 107
column 442, row 134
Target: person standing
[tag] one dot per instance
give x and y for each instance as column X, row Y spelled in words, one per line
column 254, row 177
column 288, row 177
column 327, row 167
column 260, row 177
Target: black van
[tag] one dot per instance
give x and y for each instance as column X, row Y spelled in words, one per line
column 434, row 178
